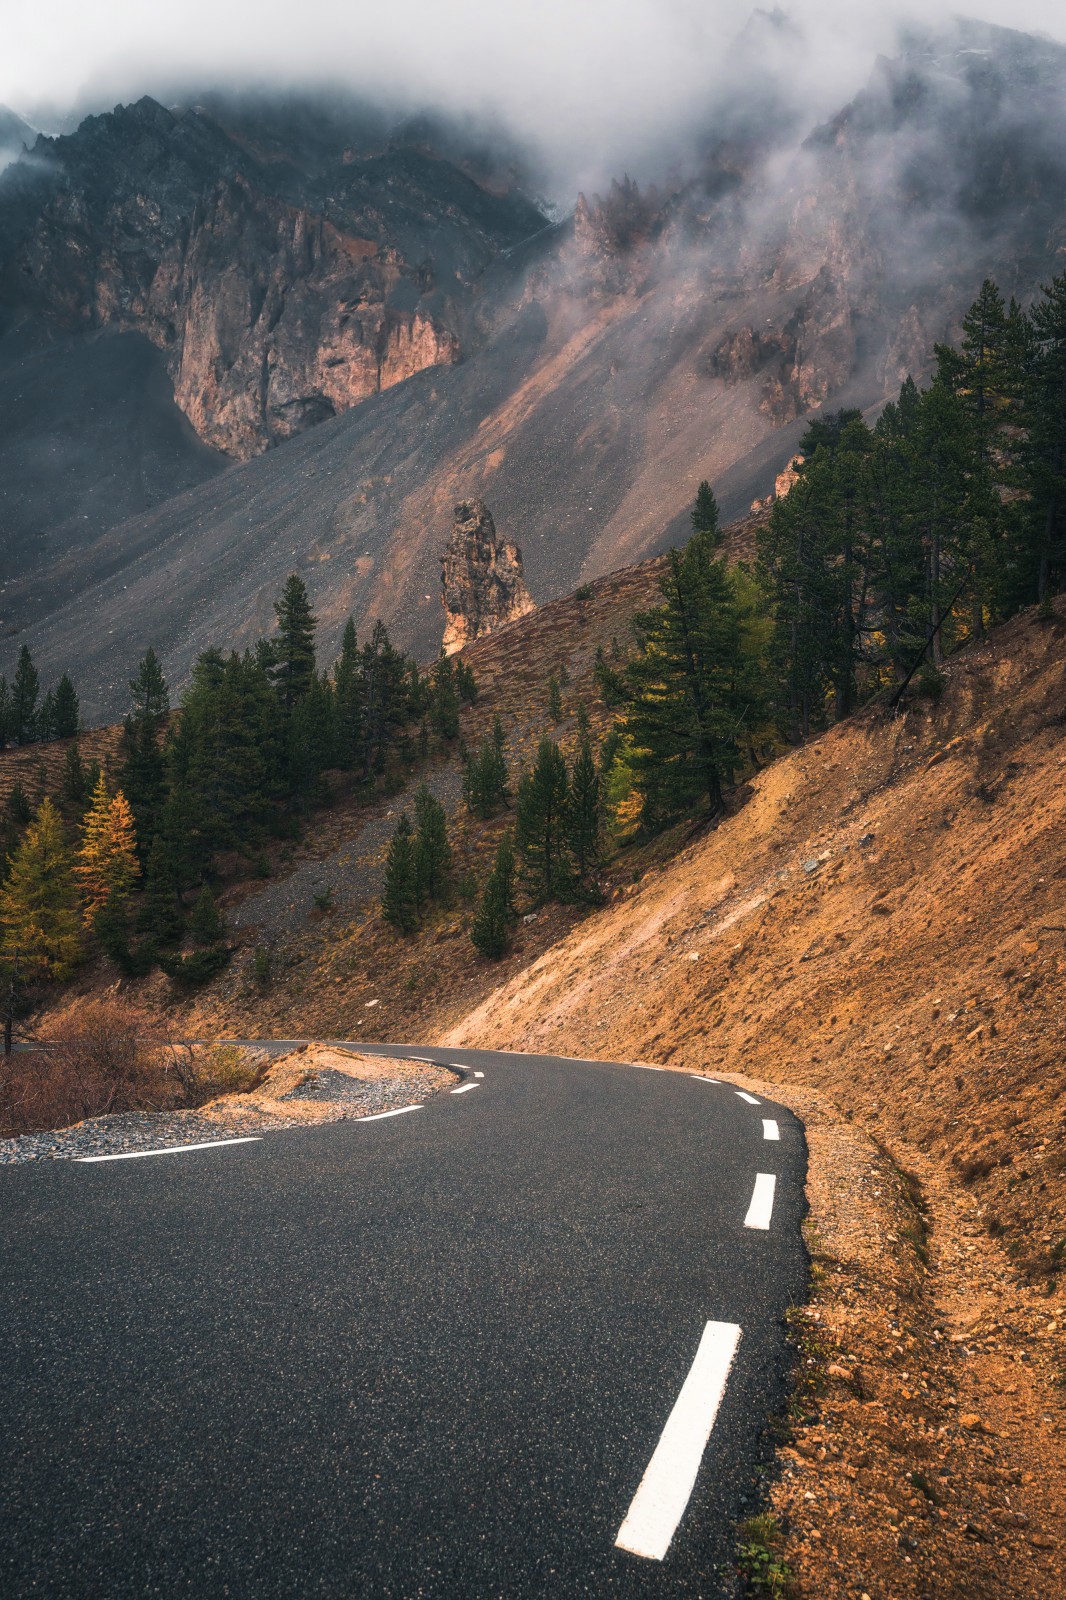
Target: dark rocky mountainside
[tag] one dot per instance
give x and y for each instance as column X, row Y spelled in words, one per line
column 285, row 259
column 610, row 363
column 283, row 284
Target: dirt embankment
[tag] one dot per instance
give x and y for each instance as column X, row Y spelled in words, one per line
column 883, row 922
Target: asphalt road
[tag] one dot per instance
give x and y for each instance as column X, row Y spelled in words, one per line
column 432, row 1354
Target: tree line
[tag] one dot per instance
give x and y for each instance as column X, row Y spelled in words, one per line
column 551, row 853
column 239, row 763
column 898, row 543
column 24, row 717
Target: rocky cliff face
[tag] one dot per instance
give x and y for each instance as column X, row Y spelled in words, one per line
column 481, row 579
column 282, row 289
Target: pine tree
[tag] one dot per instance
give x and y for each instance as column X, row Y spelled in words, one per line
column 294, row 648
column 73, row 786
column 65, row 709
column 5, row 712
column 18, row 806
column 490, row 931
column 705, row 515
column 46, row 718
column 143, row 777
column 107, row 867
column 465, row 686
column 385, row 694
column 584, row 819
column 151, row 697
column 38, row 911
column 399, row 901
column 160, row 913
column 691, row 688
column 1045, row 451
column 485, row 779
column 348, row 693
column 540, row 824
column 206, row 924
column 24, row 690
column 444, row 708
column 433, row 855
column 555, row 699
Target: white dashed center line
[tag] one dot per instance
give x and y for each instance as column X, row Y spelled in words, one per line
column 750, row 1098
column 463, row 1087
column 171, row 1149
column 379, row 1116
column 770, row 1130
column 479, row 1074
column 762, row 1201
column 666, row 1487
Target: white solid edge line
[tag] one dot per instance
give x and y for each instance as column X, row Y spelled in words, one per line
column 379, row 1115
column 172, row 1149
column 702, row 1076
column 762, row 1201
column 770, row 1130
column 463, row 1087
column 646, row 1066
column 750, row 1098
column 667, row 1484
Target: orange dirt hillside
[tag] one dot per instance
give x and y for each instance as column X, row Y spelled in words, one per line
column 885, row 919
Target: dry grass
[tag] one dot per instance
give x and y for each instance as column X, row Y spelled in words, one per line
column 101, row 1056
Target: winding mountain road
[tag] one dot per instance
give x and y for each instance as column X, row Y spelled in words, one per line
column 522, row 1340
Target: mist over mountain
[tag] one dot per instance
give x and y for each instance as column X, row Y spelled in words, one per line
column 338, row 320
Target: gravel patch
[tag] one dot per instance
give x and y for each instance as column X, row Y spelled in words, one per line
column 336, row 1097
column 353, row 870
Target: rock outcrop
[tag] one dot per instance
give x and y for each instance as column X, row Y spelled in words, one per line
column 283, row 286
column 481, row 578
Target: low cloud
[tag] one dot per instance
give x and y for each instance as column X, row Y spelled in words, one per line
column 595, row 87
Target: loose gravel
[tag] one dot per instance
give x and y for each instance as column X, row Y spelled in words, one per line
column 336, row 1096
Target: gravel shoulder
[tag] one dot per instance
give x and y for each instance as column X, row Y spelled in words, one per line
column 925, row 1451
column 311, row 1085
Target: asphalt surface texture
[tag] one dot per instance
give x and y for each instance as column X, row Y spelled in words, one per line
column 426, row 1355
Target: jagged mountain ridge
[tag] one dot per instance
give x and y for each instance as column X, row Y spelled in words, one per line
column 654, row 339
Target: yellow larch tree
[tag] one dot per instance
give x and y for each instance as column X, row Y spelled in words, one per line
column 107, row 867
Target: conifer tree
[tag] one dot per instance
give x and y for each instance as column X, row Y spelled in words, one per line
column 5, row 712
column 490, row 931
column 46, row 718
column 399, row 901
column 107, row 867
column 555, row 699
column 206, row 924
column 705, row 515
column 385, row 698
column 485, row 780
column 25, row 687
column 1045, row 451
column 692, row 686
column 348, row 692
column 584, row 818
column 541, row 823
column 65, row 710
column 73, row 786
column 465, row 686
column 444, row 706
column 38, row 911
column 160, row 912
column 294, row 647
column 143, row 776
column 433, row 855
